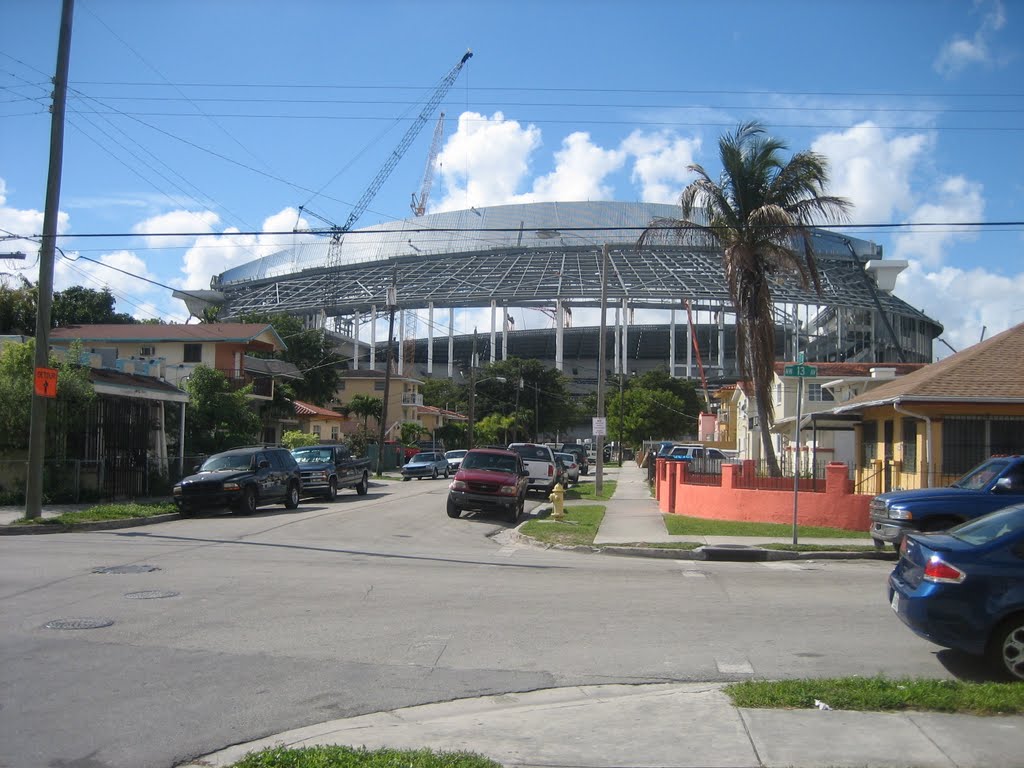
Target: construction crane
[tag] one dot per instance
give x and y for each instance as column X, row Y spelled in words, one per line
column 419, row 204
column 337, row 233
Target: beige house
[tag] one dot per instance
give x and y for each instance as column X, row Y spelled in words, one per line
column 927, row 428
column 404, row 398
column 328, row 426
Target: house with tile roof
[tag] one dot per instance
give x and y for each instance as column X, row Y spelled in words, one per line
column 329, row 426
column 927, row 428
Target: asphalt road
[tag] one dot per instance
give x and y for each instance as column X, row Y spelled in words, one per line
column 285, row 619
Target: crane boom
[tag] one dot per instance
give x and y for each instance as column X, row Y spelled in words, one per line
column 334, row 254
column 419, row 204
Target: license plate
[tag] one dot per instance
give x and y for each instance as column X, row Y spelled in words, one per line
column 895, row 602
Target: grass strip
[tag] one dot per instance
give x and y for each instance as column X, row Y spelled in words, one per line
column 586, row 491
column 578, row 528
column 880, row 694
column 825, row 548
column 681, row 525
column 103, row 512
column 348, row 757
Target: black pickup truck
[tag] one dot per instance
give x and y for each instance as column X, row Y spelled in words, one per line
column 327, row 468
column 993, row 484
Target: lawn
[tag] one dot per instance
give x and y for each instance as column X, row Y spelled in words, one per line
column 586, row 491
column 680, row 525
column 879, row 694
column 347, row 757
column 103, row 512
column 578, row 528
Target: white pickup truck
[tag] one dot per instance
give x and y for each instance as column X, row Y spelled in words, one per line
column 540, row 462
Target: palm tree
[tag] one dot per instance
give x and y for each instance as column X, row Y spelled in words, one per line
column 759, row 214
column 366, row 406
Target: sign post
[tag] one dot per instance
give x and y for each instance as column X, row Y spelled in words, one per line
column 799, row 371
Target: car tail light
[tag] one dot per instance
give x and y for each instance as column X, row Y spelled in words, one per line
column 904, row 547
column 551, row 470
column 938, row 570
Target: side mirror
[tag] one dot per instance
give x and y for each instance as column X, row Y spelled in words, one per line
column 1004, row 485
column 196, row 468
column 524, row 473
column 263, row 464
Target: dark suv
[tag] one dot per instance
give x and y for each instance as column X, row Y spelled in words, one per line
column 243, row 479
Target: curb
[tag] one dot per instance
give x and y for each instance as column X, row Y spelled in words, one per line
column 101, row 525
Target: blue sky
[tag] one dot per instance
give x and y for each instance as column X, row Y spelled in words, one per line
column 223, row 116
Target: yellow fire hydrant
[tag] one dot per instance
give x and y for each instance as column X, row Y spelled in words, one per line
column 557, row 499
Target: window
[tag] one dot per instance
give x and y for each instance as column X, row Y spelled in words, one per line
column 818, row 394
column 193, row 353
column 868, row 443
column 341, row 386
column 147, row 352
column 378, row 386
column 909, row 445
column 334, row 433
column 316, row 430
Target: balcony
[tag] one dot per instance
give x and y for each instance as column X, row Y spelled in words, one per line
column 412, row 398
column 262, row 386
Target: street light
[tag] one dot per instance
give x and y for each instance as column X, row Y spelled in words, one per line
column 472, row 400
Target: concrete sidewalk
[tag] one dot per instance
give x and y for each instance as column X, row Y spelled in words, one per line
column 667, row 725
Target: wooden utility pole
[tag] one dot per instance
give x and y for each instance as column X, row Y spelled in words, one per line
column 599, row 471
column 37, row 425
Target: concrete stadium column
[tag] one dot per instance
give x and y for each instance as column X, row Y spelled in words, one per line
column 401, row 343
column 672, row 344
column 559, row 338
column 373, row 336
column 451, row 342
column 504, row 331
column 689, row 346
column 618, row 339
column 721, row 340
column 494, row 328
column 355, row 337
column 430, row 337
column 624, row 368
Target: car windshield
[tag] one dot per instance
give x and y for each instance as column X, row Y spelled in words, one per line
column 312, row 455
column 423, row 458
column 493, row 462
column 978, row 478
column 567, row 458
column 455, row 454
column 226, row 462
column 532, row 452
column 990, row 527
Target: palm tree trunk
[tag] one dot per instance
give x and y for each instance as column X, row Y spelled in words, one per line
column 766, row 439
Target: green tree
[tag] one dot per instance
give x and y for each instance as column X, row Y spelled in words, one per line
column 296, row 438
column 444, row 393
column 85, row 306
column 310, row 351
column 217, row 417
column 646, row 413
column 538, row 396
column 493, row 429
column 759, row 214
column 18, row 308
column 366, row 406
column 410, row 432
column 684, row 389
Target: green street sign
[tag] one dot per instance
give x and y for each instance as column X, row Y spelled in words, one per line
column 803, row 371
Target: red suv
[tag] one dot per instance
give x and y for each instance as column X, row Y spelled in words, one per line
column 489, row 480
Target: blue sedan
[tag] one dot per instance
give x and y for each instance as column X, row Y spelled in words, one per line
column 964, row 588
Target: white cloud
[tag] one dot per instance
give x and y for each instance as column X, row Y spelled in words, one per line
column 176, row 221
column 957, row 199
column 211, row 255
column 24, row 222
column 580, row 169
column 485, row 161
column 872, row 171
column 966, row 302
column 660, row 165
column 961, row 52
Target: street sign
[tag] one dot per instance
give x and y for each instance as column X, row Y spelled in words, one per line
column 600, row 426
column 803, row 371
column 46, row 382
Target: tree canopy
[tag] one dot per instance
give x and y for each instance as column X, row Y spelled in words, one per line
column 217, row 417
column 74, row 306
column 310, row 351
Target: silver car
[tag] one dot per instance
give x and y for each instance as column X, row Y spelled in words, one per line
column 454, row 459
column 426, row 464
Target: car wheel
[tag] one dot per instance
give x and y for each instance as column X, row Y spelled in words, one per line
column 446, row 473
column 291, row 501
column 247, row 504
column 453, row 511
column 405, row 479
column 433, row 475
column 515, row 511
column 186, row 511
column 332, row 489
column 1006, row 650
column 364, row 485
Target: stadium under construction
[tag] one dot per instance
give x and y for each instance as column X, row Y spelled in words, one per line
column 667, row 302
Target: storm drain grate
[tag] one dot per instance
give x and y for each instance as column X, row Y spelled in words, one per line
column 78, row 623
column 151, row 594
column 125, row 569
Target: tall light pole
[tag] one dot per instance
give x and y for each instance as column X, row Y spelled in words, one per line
column 392, row 301
column 599, row 471
column 37, row 423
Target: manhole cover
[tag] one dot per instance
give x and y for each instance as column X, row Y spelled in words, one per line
column 78, row 623
column 125, row 569
column 151, row 594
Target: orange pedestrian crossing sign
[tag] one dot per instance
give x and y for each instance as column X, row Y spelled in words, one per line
column 46, row 382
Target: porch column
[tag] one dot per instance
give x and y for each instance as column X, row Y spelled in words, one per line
column 430, row 337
